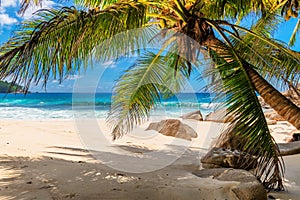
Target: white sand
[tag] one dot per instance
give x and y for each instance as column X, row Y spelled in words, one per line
column 36, row 138
column 48, row 159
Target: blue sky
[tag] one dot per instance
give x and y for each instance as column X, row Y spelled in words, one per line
column 9, row 19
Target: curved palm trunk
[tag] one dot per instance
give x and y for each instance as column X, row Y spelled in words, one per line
column 283, row 106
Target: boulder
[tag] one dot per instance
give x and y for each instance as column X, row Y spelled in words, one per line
column 273, row 115
column 174, row 128
column 221, row 157
column 290, row 148
column 220, row 116
column 196, row 115
column 247, row 186
column 209, row 184
column 230, row 140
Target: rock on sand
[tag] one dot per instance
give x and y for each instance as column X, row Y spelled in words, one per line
column 174, row 128
column 196, row 115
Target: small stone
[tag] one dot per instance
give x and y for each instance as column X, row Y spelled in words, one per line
column 72, row 195
column 46, row 187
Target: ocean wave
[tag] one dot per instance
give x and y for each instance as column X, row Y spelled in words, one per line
column 36, row 113
column 37, row 106
column 42, row 113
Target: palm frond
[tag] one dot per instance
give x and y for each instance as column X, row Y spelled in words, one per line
column 25, row 4
column 290, row 8
column 294, row 34
column 274, row 60
column 57, row 41
column 101, row 4
column 236, row 9
column 242, row 102
column 141, row 87
column 250, row 122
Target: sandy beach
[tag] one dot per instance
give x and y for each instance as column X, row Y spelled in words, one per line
column 56, row 159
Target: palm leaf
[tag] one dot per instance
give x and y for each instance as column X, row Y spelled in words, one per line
column 25, row 4
column 294, row 34
column 141, row 87
column 101, row 4
column 250, row 122
column 57, row 41
column 236, row 9
column 272, row 59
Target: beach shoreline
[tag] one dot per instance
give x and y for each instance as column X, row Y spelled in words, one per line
column 46, row 154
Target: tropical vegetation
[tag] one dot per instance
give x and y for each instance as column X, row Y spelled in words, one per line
column 6, row 87
column 243, row 59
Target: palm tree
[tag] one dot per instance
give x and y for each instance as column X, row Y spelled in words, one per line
column 290, row 9
column 58, row 41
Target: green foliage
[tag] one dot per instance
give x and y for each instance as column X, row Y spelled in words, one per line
column 272, row 58
column 95, row 3
column 58, row 41
column 6, row 87
column 294, row 34
column 140, row 88
column 235, row 86
column 25, row 4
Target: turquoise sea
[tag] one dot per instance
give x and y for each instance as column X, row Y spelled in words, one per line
column 65, row 105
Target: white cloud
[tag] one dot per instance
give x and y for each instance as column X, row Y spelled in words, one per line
column 9, row 3
column 109, row 64
column 5, row 19
column 74, row 77
column 46, row 4
column 5, row 5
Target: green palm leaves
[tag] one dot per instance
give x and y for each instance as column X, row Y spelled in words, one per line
column 26, row 3
column 249, row 122
column 57, row 41
column 141, row 87
column 295, row 33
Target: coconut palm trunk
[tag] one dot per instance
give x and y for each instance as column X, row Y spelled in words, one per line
column 283, row 106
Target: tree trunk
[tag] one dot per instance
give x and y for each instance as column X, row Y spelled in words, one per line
column 283, row 106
